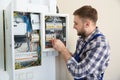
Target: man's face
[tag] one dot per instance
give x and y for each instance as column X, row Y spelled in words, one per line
column 79, row 25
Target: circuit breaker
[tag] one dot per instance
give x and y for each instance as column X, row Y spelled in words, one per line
column 55, row 27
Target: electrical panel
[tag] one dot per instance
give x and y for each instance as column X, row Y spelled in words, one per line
column 27, row 45
column 55, row 27
column 28, row 35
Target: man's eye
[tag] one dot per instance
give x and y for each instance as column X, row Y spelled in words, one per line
column 75, row 23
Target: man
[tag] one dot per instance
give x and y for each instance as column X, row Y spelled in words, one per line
column 91, row 57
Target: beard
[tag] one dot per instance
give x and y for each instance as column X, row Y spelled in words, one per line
column 82, row 34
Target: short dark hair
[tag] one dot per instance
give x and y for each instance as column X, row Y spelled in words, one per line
column 87, row 12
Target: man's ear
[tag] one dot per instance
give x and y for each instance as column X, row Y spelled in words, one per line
column 87, row 23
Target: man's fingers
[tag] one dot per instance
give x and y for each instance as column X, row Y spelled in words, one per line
column 53, row 41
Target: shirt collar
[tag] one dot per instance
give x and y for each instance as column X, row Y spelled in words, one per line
column 96, row 31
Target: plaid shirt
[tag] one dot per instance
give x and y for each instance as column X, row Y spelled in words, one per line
column 94, row 58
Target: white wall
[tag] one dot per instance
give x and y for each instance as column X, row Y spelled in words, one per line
column 109, row 23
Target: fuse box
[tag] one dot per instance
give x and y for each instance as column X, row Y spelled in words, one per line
column 55, row 27
column 23, row 42
column 27, row 46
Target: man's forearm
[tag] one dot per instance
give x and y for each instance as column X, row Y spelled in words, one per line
column 66, row 54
